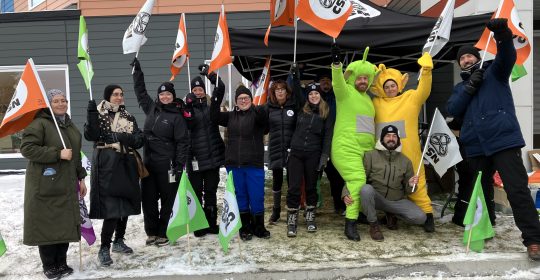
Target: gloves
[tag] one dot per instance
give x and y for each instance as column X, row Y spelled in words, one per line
column 204, row 69
column 474, row 82
column 335, row 54
column 212, row 78
column 123, row 138
column 136, row 65
column 92, row 107
column 425, row 61
column 322, row 162
column 295, row 71
column 500, row 29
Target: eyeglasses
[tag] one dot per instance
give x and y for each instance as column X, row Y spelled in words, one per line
column 280, row 89
column 247, row 98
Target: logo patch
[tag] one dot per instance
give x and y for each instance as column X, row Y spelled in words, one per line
column 290, row 113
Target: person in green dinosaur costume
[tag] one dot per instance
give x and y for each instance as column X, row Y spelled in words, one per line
column 354, row 131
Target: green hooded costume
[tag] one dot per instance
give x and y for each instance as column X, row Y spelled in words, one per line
column 354, row 131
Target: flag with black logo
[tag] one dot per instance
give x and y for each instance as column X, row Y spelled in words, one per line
column 230, row 222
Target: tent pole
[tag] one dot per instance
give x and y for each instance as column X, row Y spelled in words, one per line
column 295, row 31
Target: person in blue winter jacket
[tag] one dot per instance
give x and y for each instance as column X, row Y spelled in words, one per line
column 490, row 132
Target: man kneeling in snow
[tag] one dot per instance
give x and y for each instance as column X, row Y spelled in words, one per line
column 390, row 178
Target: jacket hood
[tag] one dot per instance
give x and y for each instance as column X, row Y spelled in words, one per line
column 360, row 67
column 379, row 146
column 386, row 74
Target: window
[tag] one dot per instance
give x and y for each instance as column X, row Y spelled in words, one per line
column 6, row 6
column 34, row 3
column 52, row 76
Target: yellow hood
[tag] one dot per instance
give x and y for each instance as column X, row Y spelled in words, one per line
column 386, row 74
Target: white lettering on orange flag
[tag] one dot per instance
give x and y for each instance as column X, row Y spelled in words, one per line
column 328, row 16
column 221, row 55
column 29, row 97
column 521, row 42
column 281, row 14
column 181, row 51
column 261, row 93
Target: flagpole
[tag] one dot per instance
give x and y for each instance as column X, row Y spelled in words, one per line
column 429, row 52
column 188, row 244
column 188, row 70
column 230, row 85
column 425, row 147
column 295, row 31
column 57, row 127
column 240, row 247
column 491, row 34
column 89, row 81
column 80, row 255
column 469, row 240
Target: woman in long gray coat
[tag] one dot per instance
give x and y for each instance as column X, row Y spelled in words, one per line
column 51, row 207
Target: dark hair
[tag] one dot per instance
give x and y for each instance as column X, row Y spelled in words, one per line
column 109, row 90
column 273, row 88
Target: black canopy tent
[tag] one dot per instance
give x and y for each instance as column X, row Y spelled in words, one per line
column 394, row 39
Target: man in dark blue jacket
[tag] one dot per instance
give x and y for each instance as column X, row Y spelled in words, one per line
column 490, row 132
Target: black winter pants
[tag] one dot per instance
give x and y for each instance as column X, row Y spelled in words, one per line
column 514, row 176
column 336, row 185
column 111, row 226
column 154, row 188
column 205, row 184
column 53, row 255
column 302, row 165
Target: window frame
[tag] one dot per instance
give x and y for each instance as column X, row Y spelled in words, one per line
column 30, row 7
column 52, row 67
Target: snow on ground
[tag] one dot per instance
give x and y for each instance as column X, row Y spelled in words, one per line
column 326, row 249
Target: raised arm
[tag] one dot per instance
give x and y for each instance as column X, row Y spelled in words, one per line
column 506, row 52
column 424, row 84
column 144, row 100
column 91, row 127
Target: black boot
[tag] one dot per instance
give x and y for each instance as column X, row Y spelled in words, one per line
column 211, row 217
column 350, row 230
column 245, row 230
column 310, row 219
column 429, row 225
column 258, row 229
column 276, row 209
column 292, row 218
column 104, row 256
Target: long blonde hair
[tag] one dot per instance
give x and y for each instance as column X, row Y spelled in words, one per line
column 324, row 110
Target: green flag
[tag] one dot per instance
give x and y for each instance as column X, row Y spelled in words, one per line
column 476, row 221
column 84, row 65
column 186, row 209
column 3, row 248
column 518, row 71
column 86, row 163
column 230, row 222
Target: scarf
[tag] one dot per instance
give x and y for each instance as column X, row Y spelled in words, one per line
column 114, row 118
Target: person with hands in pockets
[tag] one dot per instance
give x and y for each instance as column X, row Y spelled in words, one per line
column 165, row 154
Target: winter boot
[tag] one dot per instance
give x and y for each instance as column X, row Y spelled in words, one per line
column 429, row 225
column 391, row 221
column 292, row 218
column 375, row 232
column 310, row 219
column 211, row 217
column 104, row 256
column 65, row 270
column 245, row 230
column 119, row 246
column 259, row 230
column 276, row 209
column 350, row 230
column 52, row 272
column 362, row 219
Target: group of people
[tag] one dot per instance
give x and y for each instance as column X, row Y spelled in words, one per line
column 329, row 126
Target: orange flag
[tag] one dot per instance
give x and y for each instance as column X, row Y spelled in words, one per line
column 261, row 93
column 222, row 53
column 29, row 97
column 508, row 10
column 181, row 51
column 281, row 14
column 328, row 17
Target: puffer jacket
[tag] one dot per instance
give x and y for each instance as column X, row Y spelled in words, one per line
column 489, row 117
column 312, row 133
column 166, row 132
column 207, row 146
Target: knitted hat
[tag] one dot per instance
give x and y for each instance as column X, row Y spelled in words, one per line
column 312, row 87
column 242, row 90
column 166, row 86
column 390, row 129
column 109, row 90
column 467, row 49
column 53, row 92
column 198, row 82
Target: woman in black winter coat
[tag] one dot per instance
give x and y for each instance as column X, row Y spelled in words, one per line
column 207, row 152
column 244, row 157
column 283, row 108
column 165, row 154
column 115, row 192
column 310, row 147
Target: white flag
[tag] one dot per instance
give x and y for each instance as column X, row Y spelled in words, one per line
column 442, row 149
column 134, row 37
column 440, row 34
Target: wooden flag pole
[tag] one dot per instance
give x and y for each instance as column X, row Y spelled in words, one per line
column 425, row 148
column 188, row 75
column 469, row 240
column 240, row 247
column 89, row 81
column 80, row 255
column 490, row 34
column 57, row 127
column 188, row 244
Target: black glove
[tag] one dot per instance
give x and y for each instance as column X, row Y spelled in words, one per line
column 212, row 77
column 124, row 138
column 92, row 107
column 295, row 71
column 136, row 65
column 204, row 69
column 500, row 29
column 474, row 82
column 335, row 54
column 110, row 138
column 322, row 162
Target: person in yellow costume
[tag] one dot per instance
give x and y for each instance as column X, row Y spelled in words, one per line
column 354, row 130
column 401, row 109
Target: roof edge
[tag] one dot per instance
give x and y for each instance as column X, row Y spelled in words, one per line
column 40, row 16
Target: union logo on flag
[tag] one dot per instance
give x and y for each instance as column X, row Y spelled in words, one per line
column 221, row 55
column 181, row 51
column 328, row 16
